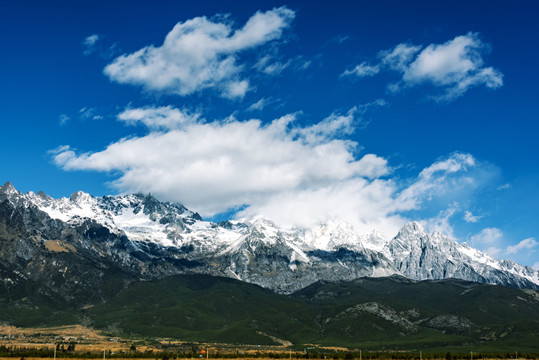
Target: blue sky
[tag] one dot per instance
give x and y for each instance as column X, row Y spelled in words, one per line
column 375, row 112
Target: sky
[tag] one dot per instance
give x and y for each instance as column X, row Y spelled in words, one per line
column 372, row 112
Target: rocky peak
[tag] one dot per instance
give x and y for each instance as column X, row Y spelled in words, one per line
column 8, row 189
column 80, row 196
column 412, row 228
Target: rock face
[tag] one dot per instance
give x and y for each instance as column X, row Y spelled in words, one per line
column 75, row 245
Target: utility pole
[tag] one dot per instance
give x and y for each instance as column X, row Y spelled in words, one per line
column 104, row 354
column 359, row 354
column 55, row 352
column 471, row 355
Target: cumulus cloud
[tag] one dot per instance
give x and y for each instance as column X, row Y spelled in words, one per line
column 453, row 67
column 296, row 175
column 456, row 65
column 198, row 54
column 218, row 165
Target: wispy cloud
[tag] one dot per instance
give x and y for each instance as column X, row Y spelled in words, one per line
column 471, row 218
column 89, row 44
column 340, row 39
column 441, row 222
column 158, row 118
column 491, row 240
column 200, row 54
column 269, row 66
column 362, row 70
column 63, row 119
column 89, row 113
column 98, row 44
column 261, row 104
column 526, row 244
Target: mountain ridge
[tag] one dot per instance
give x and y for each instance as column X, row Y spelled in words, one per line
column 151, row 239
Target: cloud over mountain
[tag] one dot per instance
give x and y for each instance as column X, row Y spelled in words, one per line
column 295, row 175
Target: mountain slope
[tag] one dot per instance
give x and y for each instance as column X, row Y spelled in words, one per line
column 369, row 312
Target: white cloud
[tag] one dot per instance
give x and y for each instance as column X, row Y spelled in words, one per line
column 438, row 179
column 295, row 175
column 362, row 70
column 399, row 57
column 155, row 118
column 89, row 43
column 199, row 54
column 269, row 66
column 488, row 240
column 487, row 236
column 456, row 66
column 363, row 108
column 259, row 105
column 491, row 241
column 453, row 67
column 334, row 125
column 440, row 223
column 471, row 218
column 88, row 113
column 215, row 166
column 64, row 119
column 364, row 204
column 526, row 244
column 340, row 39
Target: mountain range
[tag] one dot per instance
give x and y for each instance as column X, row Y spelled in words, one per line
column 148, row 239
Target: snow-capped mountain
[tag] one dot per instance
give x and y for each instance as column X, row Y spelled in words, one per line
column 147, row 238
column 419, row 255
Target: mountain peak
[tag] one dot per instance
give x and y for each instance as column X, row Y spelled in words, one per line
column 413, row 227
column 8, row 188
column 79, row 196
